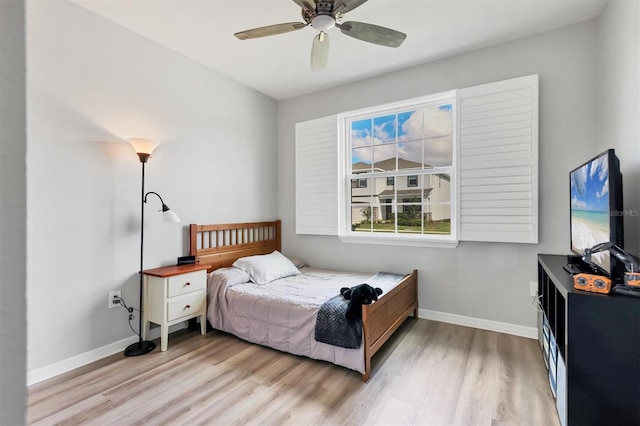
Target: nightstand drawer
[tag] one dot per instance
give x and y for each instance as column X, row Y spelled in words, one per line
column 186, row 283
column 185, row 305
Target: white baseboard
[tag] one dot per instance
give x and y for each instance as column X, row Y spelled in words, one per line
column 60, row 367
column 483, row 324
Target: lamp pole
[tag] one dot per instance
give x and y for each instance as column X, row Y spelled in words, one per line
column 142, row 251
column 141, row 347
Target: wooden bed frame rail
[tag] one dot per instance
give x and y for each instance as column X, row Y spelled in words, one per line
column 382, row 318
column 218, row 246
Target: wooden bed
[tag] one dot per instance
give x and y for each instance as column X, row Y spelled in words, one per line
column 218, row 246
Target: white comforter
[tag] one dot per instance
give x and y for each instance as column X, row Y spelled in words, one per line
column 281, row 314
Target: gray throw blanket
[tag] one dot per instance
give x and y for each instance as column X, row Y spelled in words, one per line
column 332, row 326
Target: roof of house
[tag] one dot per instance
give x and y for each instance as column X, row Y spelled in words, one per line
column 386, row 165
column 406, row 192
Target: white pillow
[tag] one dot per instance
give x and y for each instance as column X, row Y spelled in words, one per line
column 298, row 263
column 228, row 277
column 265, row 268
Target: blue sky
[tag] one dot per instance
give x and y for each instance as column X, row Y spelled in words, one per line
column 405, row 127
column 384, row 128
column 590, row 186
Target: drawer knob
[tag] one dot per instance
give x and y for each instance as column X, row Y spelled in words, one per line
column 186, row 284
column 187, row 307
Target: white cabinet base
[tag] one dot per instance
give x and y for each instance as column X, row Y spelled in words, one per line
column 172, row 295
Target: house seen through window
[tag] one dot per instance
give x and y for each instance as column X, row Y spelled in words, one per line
column 405, row 156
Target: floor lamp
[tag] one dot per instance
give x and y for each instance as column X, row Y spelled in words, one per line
column 143, row 148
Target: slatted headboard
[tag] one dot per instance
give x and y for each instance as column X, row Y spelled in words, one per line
column 218, row 246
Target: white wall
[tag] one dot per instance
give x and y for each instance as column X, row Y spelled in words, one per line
column 481, row 280
column 91, row 84
column 13, row 210
column 619, row 102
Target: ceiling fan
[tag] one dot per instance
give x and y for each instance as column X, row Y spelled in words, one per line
column 323, row 15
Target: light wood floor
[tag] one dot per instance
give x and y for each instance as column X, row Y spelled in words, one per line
column 429, row 373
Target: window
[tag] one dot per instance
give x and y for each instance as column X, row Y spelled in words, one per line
column 470, row 156
column 358, row 183
column 404, row 154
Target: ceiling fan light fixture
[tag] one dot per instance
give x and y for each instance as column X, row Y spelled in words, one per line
column 323, row 22
column 323, row 15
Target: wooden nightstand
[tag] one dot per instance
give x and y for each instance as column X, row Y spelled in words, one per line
column 173, row 294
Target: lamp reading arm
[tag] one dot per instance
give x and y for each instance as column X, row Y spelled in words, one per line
column 168, row 215
column 164, row 206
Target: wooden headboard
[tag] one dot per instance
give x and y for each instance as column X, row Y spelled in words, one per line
column 218, row 246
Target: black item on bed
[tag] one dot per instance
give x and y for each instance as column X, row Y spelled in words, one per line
column 333, row 328
column 361, row 294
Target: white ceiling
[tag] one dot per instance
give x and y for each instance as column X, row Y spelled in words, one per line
column 279, row 65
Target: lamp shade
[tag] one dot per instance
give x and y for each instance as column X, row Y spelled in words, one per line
column 169, row 215
column 143, row 146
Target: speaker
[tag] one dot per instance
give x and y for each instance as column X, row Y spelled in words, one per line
column 593, row 283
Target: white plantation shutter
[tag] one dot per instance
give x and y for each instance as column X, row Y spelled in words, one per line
column 498, row 161
column 317, row 176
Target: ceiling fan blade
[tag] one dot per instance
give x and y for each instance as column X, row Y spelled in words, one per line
column 344, row 6
column 320, row 52
column 372, row 33
column 306, row 4
column 270, row 30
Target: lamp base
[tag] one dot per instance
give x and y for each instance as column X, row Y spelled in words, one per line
column 139, row 348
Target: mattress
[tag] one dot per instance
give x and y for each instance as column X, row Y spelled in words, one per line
column 282, row 314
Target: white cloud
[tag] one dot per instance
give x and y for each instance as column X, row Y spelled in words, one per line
column 360, row 138
column 381, row 134
column 580, row 205
column 601, row 167
column 605, row 189
column 579, row 180
column 438, row 149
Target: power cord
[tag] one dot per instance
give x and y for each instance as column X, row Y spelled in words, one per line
column 119, row 300
column 536, row 302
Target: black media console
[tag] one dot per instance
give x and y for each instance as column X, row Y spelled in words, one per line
column 591, row 345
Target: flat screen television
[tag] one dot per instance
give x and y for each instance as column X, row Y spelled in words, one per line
column 596, row 209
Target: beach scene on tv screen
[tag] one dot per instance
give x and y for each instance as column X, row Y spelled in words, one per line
column 590, row 208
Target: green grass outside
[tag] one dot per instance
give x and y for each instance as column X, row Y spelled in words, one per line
column 437, row 227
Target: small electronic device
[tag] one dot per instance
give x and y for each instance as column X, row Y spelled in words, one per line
column 573, row 268
column 593, row 283
column 186, row 260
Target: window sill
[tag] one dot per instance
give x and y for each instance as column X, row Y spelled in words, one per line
column 399, row 240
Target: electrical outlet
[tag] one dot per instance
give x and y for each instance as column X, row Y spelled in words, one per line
column 110, row 302
column 533, row 288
